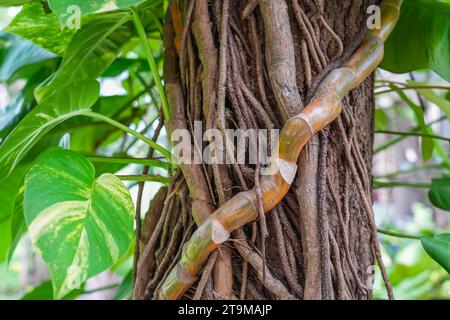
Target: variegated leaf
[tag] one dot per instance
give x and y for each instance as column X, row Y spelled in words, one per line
column 41, row 27
column 66, row 9
column 65, row 103
column 81, row 225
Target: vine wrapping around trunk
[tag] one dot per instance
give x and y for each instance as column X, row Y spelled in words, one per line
column 324, row 108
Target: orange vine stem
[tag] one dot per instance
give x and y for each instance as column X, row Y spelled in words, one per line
column 298, row 130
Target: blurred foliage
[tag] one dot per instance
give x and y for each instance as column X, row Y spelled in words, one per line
column 413, row 274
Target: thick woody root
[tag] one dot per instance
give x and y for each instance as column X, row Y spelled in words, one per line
column 297, row 131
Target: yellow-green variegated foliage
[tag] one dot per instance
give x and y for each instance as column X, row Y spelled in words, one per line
column 81, row 225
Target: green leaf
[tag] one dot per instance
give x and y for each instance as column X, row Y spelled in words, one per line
column 441, row 102
column 427, row 143
column 92, row 50
column 34, row 74
column 9, row 189
column 41, row 28
column 16, row 52
column 18, row 226
column 5, row 238
column 381, row 119
column 63, row 7
column 81, row 225
column 68, row 102
column 8, row 3
column 123, row 64
column 126, row 287
column 438, row 248
column 45, row 292
column 439, row 193
column 421, row 38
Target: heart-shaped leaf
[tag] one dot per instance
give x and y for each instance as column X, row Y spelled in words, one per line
column 439, row 193
column 438, row 248
column 80, row 224
column 68, row 102
column 421, row 38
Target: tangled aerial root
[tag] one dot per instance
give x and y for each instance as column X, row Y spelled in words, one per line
column 297, row 131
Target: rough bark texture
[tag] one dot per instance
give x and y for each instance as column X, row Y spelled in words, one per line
column 320, row 244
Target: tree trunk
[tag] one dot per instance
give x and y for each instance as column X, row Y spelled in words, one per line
column 225, row 63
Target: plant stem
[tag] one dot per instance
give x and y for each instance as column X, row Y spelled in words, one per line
column 398, row 234
column 410, row 170
column 151, row 61
column 413, row 134
column 126, row 160
column 141, row 178
column 112, row 286
column 153, row 144
column 412, row 88
column 394, row 184
column 395, row 140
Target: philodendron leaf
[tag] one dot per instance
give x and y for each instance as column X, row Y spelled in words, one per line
column 92, row 50
column 80, row 224
column 439, row 193
column 41, row 27
column 421, row 38
column 65, row 9
column 68, row 102
column 438, row 248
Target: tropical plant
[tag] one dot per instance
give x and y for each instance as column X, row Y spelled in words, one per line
column 70, row 151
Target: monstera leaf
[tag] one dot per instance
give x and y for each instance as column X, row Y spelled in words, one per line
column 68, row 102
column 81, row 225
column 421, row 38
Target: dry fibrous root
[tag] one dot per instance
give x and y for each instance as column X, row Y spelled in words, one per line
column 159, row 245
column 219, row 70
